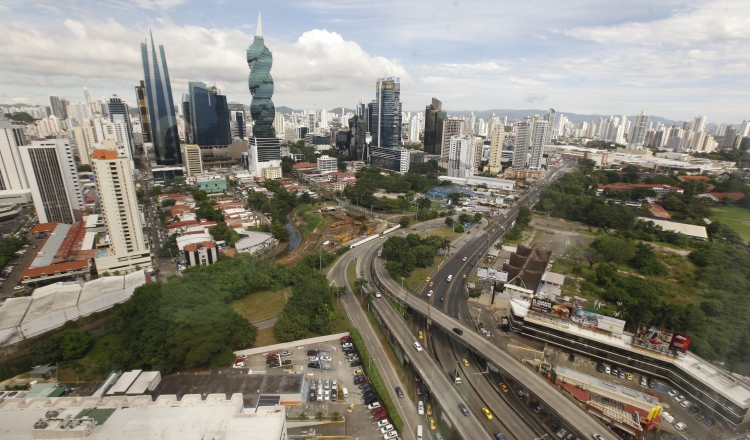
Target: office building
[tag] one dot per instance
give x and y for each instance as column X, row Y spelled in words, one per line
column 434, row 116
column 119, row 112
column 119, row 209
column 191, row 155
column 394, row 159
column 85, row 138
column 528, row 148
column 53, row 179
column 164, row 134
column 497, row 139
column 209, row 116
column 461, row 156
column 237, row 123
column 140, row 96
column 58, row 107
column 385, row 113
column 12, row 173
column 638, row 131
column 327, row 164
column 451, row 127
column 550, row 118
column 264, row 147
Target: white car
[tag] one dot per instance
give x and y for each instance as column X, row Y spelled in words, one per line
column 420, row 408
column 685, row 403
column 680, row 426
column 373, row 405
column 334, row 385
column 429, row 294
column 390, row 435
column 417, row 346
column 383, row 423
column 673, row 393
column 378, row 295
column 464, row 258
column 679, row 398
column 326, row 359
column 347, row 345
column 241, row 356
column 386, row 428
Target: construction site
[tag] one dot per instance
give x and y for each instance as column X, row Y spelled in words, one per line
column 338, row 227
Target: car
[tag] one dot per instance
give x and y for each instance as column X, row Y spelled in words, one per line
column 420, row 408
column 673, row 393
column 421, row 335
column 359, row 376
column 693, row 409
column 458, row 331
column 285, row 353
column 643, row 381
column 432, row 424
column 417, row 346
column 473, row 264
column 427, row 280
column 651, row 382
column 241, row 356
column 487, row 413
column 466, row 363
column 347, row 345
column 429, row 409
column 699, row 417
column 679, row 398
column 622, row 375
column 334, row 396
column 458, row 256
column 381, row 416
column 708, row 422
column 685, row 403
column 312, row 365
column 600, row 367
column 554, row 427
column 364, row 385
column 521, row 392
column 464, row 259
column 357, row 372
column 369, row 394
column 334, row 384
column 538, row 409
column 607, row 369
column 680, row 426
column 561, row 433
column 503, row 387
column 273, row 355
column 429, row 294
column 355, row 364
column 378, row 295
column 320, row 395
column 383, row 423
column 369, row 400
column 614, row 370
column 374, row 406
column 390, row 435
column 442, row 299
column 326, row 359
column 312, row 352
column 464, row 276
column 19, row 288
column 399, row 393
column 628, row 376
column 345, row 339
column 287, row 362
column 597, row 437
column 362, row 273
column 312, row 396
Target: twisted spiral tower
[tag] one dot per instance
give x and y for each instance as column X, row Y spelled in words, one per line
column 260, row 83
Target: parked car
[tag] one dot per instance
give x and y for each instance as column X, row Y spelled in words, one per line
column 680, row 426
column 355, row 364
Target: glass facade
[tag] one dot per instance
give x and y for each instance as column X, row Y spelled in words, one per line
column 385, row 114
column 260, row 83
column 164, row 134
column 433, row 127
column 209, row 116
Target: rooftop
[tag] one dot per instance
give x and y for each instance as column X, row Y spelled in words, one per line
column 689, row 230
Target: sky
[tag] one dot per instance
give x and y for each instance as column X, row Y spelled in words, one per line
column 674, row 59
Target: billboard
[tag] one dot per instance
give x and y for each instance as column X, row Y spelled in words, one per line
column 493, row 273
column 541, row 305
column 660, row 339
column 585, row 318
column 561, row 311
column 612, row 325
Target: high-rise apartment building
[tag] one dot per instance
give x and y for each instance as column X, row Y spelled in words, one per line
column 497, row 139
column 434, row 116
column 550, row 118
column 164, row 134
column 451, row 127
column 209, row 115
column 700, row 123
column 528, row 149
column 58, row 107
column 85, row 139
column 119, row 112
column 638, row 130
column 327, row 164
column 237, row 123
column 461, row 156
column 192, row 159
column 141, row 98
column 385, row 113
column 53, row 179
column 12, row 173
column 119, row 209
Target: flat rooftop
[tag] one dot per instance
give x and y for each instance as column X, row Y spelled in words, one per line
column 606, row 388
column 230, row 381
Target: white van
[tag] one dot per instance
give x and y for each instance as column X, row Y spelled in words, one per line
column 346, row 392
column 450, row 278
column 420, row 408
column 419, row 432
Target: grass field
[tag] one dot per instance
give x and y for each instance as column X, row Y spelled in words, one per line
column 312, row 219
column 419, row 275
column 261, row 305
column 444, row 232
column 734, row 217
column 265, row 337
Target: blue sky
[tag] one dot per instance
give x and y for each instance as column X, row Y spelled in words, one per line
column 676, row 59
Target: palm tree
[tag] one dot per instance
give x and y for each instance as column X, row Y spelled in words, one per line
column 359, row 283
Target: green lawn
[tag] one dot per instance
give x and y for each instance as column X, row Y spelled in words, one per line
column 419, row 275
column 261, row 305
column 734, row 217
column 444, row 232
column 307, row 212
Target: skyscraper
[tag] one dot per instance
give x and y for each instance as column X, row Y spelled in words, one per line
column 640, row 123
column 497, row 138
column 140, row 96
column 193, row 160
column 119, row 207
column 700, row 123
column 53, row 179
column 58, row 107
column 550, row 118
column 264, row 147
column 461, row 156
column 237, row 121
column 385, row 113
column 434, row 116
column 118, row 111
column 209, row 115
column 85, row 138
column 451, row 127
column 164, row 134
column 531, row 133
column 12, row 173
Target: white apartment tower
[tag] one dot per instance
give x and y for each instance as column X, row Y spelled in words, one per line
column 53, row 178
column 497, row 138
column 191, row 155
column 119, row 208
column 12, row 173
column 550, row 118
column 528, row 149
column 327, row 164
column 640, row 125
column 85, row 138
column 700, row 123
column 461, row 156
column 451, row 127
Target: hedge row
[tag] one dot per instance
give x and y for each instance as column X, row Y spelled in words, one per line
column 377, row 381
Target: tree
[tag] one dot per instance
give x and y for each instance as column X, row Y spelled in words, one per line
column 291, row 326
column 155, row 190
column 424, row 256
column 449, row 221
column 200, row 195
column 524, row 216
column 614, row 248
column 477, row 217
column 222, row 232
column 168, row 202
column 606, row 274
column 404, row 222
column 591, row 256
column 459, row 228
column 84, row 168
column 279, row 231
column 455, row 197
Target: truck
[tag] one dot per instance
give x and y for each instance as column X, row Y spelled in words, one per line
column 455, row 377
column 504, row 324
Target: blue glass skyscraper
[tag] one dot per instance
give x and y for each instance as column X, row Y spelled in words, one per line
column 164, row 133
column 209, row 115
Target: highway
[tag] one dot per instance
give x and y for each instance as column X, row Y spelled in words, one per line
column 566, row 410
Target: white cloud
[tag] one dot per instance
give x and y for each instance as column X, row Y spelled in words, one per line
column 534, row 97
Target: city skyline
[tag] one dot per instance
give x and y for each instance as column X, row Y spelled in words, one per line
column 676, row 59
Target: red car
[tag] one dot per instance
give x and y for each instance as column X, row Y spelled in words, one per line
column 458, row 256
column 271, row 355
column 345, row 339
column 377, row 410
column 380, row 416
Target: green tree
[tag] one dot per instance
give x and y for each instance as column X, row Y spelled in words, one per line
column 199, row 196
column 84, row 168
column 155, row 190
column 459, row 228
column 359, row 283
column 168, row 202
column 614, row 248
column 606, row 274
column 404, row 222
column 291, row 326
column 424, row 256
column 449, row 221
column 477, row 217
column 222, row 232
column 279, row 231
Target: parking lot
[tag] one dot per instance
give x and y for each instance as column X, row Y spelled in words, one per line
column 321, row 363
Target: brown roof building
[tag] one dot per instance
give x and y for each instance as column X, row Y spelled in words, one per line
column 526, row 266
